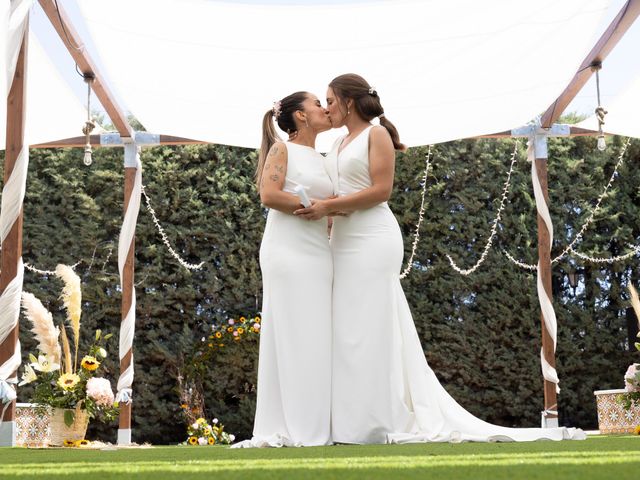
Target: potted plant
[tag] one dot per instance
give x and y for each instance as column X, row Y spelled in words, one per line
column 69, row 389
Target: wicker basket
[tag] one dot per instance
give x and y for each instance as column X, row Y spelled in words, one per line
column 612, row 417
column 61, row 432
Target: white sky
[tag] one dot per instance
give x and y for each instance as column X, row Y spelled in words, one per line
column 622, row 65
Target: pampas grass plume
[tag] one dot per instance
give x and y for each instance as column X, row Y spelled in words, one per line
column 45, row 331
column 72, row 298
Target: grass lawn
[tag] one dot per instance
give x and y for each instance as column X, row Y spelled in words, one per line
column 610, row 457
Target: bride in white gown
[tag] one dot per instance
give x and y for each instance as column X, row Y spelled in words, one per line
column 383, row 390
column 294, row 368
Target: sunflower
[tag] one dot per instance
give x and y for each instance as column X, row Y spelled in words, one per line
column 257, row 319
column 637, row 430
column 236, row 338
column 240, row 330
column 201, row 421
column 211, row 441
column 90, row 363
column 193, row 441
column 69, row 443
column 82, row 443
column 218, row 335
column 207, row 432
column 242, row 319
column 68, row 380
column 229, row 329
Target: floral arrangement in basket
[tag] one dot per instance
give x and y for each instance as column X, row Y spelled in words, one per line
column 201, row 432
column 632, row 376
column 59, row 382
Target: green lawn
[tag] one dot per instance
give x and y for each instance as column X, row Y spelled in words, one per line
column 612, row 457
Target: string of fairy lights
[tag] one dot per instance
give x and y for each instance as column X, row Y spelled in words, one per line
column 570, row 248
column 494, row 225
column 416, row 235
column 161, row 231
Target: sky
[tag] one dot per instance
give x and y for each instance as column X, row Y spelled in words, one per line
column 622, row 64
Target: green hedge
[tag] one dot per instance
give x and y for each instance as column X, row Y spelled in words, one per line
column 481, row 333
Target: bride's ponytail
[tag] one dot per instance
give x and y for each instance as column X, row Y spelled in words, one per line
column 366, row 102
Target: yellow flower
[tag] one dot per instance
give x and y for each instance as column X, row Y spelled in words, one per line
column 236, row 338
column 252, row 329
column 207, row 432
column 229, row 329
column 193, row 441
column 637, row 430
column 218, row 335
column 200, row 421
column 211, row 345
column 90, row 363
column 82, row 443
column 257, row 319
column 240, row 330
column 68, row 380
column 211, row 440
column 184, row 406
column 69, row 443
column 242, row 319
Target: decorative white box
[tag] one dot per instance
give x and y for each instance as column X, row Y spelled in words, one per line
column 612, row 417
column 32, row 426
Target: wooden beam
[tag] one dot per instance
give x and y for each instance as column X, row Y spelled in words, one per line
column 67, row 33
column 95, row 142
column 574, row 132
column 599, row 52
column 12, row 246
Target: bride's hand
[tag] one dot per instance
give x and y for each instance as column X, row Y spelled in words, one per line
column 318, row 209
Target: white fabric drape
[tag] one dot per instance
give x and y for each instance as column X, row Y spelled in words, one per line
column 14, row 17
column 127, row 233
column 444, row 70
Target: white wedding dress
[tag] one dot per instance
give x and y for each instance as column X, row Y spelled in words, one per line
column 294, row 367
column 383, row 390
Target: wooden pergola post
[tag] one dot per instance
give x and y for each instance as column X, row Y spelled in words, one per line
column 71, row 39
column 550, row 413
column 12, row 245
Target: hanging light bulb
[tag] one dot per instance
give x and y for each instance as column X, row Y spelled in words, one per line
column 600, row 111
column 89, row 125
column 87, row 160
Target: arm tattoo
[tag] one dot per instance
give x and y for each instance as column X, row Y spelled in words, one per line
column 274, row 151
column 279, row 168
column 274, row 178
column 267, row 166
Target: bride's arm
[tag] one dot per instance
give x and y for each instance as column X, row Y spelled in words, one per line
column 382, row 160
column 273, row 179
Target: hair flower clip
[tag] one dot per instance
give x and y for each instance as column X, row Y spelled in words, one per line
column 276, row 109
column 372, row 91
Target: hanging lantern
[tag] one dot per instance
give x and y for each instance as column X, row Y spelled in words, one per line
column 89, row 125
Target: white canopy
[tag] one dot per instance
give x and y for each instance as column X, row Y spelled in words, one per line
column 53, row 110
column 208, row 70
